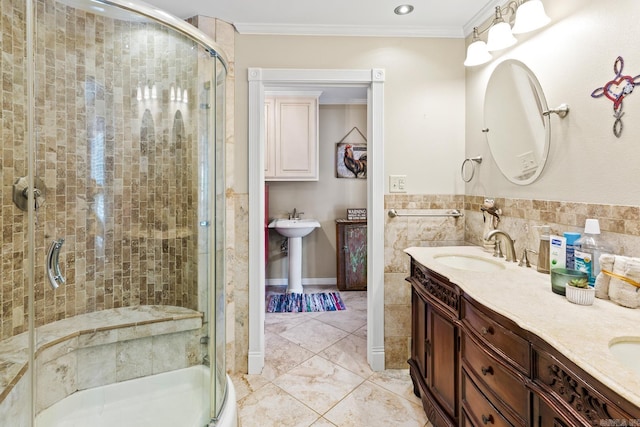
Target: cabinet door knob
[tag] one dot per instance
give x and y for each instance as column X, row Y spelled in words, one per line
column 487, row 371
column 487, row 419
column 486, row 330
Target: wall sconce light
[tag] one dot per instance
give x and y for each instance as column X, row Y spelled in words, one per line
column 528, row 15
column 477, row 52
column 500, row 36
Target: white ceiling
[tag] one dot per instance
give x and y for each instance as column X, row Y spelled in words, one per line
column 430, row 18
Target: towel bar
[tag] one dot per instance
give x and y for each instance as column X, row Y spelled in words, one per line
column 454, row 213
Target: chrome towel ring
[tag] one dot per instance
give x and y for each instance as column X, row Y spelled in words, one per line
column 472, row 161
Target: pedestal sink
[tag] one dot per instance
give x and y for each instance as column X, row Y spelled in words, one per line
column 295, row 230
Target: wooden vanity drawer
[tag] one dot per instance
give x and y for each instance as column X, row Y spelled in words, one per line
column 577, row 391
column 506, row 343
column 507, row 386
column 478, row 410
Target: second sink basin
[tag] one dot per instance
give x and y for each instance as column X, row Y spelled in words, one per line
column 294, row 227
column 469, row 262
column 627, row 351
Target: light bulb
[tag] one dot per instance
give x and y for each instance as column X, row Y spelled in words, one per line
column 500, row 37
column 530, row 16
column 477, row 54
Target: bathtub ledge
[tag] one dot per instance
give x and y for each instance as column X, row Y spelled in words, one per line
column 91, row 329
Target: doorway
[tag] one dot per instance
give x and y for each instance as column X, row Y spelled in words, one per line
column 261, row 79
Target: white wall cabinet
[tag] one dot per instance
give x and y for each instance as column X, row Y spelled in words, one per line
column 291, row 152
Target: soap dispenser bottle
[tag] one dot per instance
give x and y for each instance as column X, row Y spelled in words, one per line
column 543, row 250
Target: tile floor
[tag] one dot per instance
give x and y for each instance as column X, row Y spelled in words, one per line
column 316, row 374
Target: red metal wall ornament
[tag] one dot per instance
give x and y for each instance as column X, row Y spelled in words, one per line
column 616, row 90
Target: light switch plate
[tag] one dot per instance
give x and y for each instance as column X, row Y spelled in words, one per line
column 397, row 183
column 527, row 162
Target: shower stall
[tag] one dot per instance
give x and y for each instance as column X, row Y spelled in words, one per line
column 113, row 206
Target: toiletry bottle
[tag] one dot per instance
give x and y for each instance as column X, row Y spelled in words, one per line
column 543, row 250
column 557, row 251
column 571, row 241
column 588, row 249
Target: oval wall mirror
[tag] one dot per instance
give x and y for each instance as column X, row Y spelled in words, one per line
column 517, row 131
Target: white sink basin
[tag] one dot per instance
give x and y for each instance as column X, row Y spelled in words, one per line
column 627, row 351
column 469, row 262
column 294, row 227
column 295, row 230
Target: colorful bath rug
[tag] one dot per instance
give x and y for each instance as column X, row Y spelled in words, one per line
column 297, row 303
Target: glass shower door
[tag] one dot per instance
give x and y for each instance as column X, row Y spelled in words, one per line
column 129, row 234
column 219, row 373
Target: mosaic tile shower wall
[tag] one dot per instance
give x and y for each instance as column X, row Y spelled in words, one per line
column 118, row 154
column 13, row 165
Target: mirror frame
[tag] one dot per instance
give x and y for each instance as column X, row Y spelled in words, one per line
column 508, row 108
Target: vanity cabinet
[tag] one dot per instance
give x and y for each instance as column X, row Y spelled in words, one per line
column 495, row 362
column 351, row 254
column 474, row 367
column 434, row 353
column 576, row 397
column 291, row 137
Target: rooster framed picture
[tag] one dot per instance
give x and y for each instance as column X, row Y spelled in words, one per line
column 351, row 160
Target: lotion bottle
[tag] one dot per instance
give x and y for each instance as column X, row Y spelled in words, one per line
column 557, row 251
column 571, row 246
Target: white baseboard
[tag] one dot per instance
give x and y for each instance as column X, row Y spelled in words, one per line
column 256, row 363
column 312, row 281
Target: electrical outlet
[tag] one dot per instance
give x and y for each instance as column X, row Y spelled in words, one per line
column 397, row 183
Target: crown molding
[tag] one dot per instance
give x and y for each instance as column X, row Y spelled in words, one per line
column 348, row 30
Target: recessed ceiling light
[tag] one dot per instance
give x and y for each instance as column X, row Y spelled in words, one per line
column 403, row 9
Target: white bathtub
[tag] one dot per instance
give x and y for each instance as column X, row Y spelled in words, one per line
column 173, row 399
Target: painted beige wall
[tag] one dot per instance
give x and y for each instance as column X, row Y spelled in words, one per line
column 325, row 200
column 424, row 98
column 572, row 57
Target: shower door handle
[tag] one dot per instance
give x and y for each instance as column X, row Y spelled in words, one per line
column 53, row 264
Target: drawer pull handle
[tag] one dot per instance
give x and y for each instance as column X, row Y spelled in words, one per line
column 487, row 371
column 486, row 331
column 487, row 419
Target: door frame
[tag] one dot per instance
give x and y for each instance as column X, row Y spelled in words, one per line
column 261, row 79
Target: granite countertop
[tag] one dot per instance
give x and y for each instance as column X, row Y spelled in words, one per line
column 524, row 296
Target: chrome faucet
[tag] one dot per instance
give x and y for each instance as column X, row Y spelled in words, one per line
column 510, row 250
column 295, row 214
